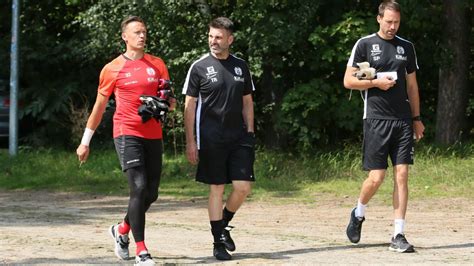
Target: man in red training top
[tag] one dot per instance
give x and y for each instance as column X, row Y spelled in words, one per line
column 138, row 143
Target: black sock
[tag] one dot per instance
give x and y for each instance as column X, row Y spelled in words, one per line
column 216, row 229
column 227, row 216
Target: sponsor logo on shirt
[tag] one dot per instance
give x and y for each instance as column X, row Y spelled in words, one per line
column 131, row 82
column 375, row 50
column 211, row 74
column 401, row 57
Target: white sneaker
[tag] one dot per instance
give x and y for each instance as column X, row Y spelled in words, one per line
column 144, row 258
column 121, row 243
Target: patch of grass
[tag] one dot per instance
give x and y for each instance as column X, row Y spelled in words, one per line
column 178, row 179
column 57, row 170
column 438, row 172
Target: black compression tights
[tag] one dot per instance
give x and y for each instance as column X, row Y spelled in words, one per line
column 143, row 183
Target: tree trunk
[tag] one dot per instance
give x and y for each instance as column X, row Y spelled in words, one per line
column 453, row 75
column 270, row 138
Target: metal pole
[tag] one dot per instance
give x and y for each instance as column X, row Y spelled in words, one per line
column 13, row 126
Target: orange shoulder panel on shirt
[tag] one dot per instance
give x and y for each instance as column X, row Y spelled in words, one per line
column 108, row 75
column 160, row 64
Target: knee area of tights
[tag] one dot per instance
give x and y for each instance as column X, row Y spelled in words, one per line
column 153, row 197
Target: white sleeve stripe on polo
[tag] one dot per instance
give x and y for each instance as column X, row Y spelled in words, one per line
column 186, row 82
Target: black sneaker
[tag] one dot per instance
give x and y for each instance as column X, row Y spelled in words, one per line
column 226, row 239
column 400, row 244
column 354, row 228
column 220, row 252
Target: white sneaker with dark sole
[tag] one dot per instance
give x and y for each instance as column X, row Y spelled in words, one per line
column 121, row 243
column 144, row 259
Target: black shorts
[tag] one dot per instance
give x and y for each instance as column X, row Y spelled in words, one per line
column 222, row 163
column 135, row 151
column 383, row 138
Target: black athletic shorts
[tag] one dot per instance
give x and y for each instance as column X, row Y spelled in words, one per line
column 135, row 151
column 222, row 163
column 383, row 138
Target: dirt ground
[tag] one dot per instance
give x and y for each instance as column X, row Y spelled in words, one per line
column 65, row 228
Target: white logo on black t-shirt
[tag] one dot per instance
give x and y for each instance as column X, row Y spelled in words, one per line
column 238, row 71
column 210, row 70
column 400, row 50
column 211, row 74
column 375, row 50
column 400, row 53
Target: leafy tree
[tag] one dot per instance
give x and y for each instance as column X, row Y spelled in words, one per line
column 328, row 113
column 297, row 52
column 46, row 41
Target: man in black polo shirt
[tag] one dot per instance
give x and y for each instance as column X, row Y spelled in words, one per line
column 218, row 118
column 391, row 117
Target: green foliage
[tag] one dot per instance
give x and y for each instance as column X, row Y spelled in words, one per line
column 334, row 42
column 421, row 25
column 48, row 69
column 169, row 35
column 297, row 52
column 319, row 111
column 313, row 112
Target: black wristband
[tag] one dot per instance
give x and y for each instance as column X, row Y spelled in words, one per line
column 416, row 118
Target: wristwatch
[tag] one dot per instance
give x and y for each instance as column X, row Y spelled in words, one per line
column 416, row 118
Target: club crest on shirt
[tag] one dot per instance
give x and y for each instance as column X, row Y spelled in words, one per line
column 150, row 71
column 400, row 50
column 238, row 71
column 400, row 53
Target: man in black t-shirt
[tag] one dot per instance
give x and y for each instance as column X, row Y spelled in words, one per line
column 218, row 118
column 391, row 117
